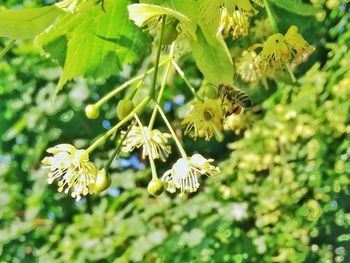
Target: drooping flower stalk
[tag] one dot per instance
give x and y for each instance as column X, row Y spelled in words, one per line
column 173, row 134
column 162, row 87
column 185, row 79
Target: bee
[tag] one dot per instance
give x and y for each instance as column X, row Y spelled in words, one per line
column 233, row 100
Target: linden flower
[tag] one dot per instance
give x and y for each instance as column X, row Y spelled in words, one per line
column 73, row 168
column 247, row 68
column 157, row 142
column 236, row 23
column 210, row 8
column 275, row 52
column 297, row 42
column 278, row 50
column 205, row 119
column 184, row 174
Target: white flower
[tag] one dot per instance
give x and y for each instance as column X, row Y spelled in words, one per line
column 74, row 169
column 156, row 140
column 184, row 174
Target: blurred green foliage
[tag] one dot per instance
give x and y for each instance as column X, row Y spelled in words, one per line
column 282, row 196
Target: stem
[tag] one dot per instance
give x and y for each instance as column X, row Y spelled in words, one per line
column 101, row 140
column 290, row 71
column 7, row 48
column 151, row 161
column 159, row 48
column 125, row 85
column 271, row 17
column 173, row 134
column 162, row 87
column 188, row 83
column 118, row 149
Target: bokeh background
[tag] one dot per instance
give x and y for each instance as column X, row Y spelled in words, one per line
column 282, row 196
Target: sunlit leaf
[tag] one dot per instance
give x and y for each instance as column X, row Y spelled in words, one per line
column 27, row 23
column 88, row 53
column 214, row 61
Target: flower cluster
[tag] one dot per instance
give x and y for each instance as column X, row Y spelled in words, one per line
column 206, row 118
column 185, row 172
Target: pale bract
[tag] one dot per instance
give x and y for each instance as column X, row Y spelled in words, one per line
column 141, row 13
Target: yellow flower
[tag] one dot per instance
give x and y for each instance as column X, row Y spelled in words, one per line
column 301, row 48
column 278, row 50
column 236, row 23
column 74, row 169
column 157, row 142
column 184, row 174
column 247, row 68
column 205, row 119
column 275, row 52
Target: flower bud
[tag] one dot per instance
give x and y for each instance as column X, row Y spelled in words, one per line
column 103, row 181
column 124, row 108
column 155, row 187
column 170, row 33
column 91, row 111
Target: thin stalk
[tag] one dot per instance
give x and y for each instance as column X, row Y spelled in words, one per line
column 188, row 83
column 101, row 140
column 118, row 149
column 271, row 17
column 291, row 73
column 173, row 134
column 125, row 85
column 162, row 87
column 7, row 48
column 151, row 161
column 159, row 49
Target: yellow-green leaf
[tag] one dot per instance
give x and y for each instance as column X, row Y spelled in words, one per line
column 87, row 33
column 214, row 61
column 27, row 23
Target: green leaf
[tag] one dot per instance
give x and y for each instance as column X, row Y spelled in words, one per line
column 89, row 53
column 27, row 23
column 214, row 61
column 296, row 7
